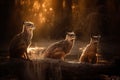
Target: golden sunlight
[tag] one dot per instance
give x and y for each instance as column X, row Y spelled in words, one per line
column 42, row 18
column 51, row 9
column 36, row 5
column 43, row 5
column 73, row 6
column 34, row 52
column 40, row 12
column 22, row 2
column 64, row 4
column 45, row 10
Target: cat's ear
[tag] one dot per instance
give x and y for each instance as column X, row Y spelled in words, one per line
column 24, row 21
column 72, row 32
column 67, row 32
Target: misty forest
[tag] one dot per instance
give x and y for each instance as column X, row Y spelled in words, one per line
column 53, row 21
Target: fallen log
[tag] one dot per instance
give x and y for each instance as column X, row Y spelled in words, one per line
column 50, row 69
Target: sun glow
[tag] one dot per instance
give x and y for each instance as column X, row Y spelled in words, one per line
column 34, row 52
column 36, row 5
column 51, row 9
column 43, row 5
column 39, row 11
column 46, row 12
column 42, row 18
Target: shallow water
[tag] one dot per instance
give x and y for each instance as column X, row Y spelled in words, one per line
column 37, row 70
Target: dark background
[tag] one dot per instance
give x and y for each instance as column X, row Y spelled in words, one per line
column 81, row 16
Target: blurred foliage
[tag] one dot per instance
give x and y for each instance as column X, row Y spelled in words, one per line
column 53, row 18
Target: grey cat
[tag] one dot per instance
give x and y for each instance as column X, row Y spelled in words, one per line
column 60, row 49
column 20, row 43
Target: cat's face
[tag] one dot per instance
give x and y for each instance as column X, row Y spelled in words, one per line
column 29, row 25
column 70, row 36
column 95, row 39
